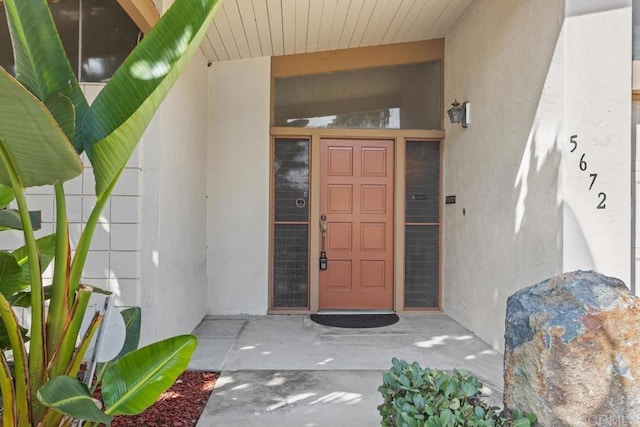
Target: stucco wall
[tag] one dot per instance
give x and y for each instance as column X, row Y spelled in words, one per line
column 238, row 186
column 173, row 239
column 529, row 74
column 598, row 109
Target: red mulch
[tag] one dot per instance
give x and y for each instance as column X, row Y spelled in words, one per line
column 180, row 406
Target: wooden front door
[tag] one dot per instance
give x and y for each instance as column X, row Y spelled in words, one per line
column 357, row 199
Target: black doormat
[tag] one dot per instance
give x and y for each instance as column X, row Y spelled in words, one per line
column 355, row 320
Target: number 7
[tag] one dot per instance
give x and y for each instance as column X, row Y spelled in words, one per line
column 593, row 179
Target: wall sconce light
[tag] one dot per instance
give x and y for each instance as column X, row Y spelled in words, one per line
column 460, row 113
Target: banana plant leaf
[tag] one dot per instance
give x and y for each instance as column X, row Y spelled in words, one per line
column 10, row 219
column 120, row 114
column 23, row 299
column 132, row 321
column 134, row 382
column 72, row 398
column 42, row 65
column 47, row 247
column 32, row 146
column 6, row 196
column 10, row 274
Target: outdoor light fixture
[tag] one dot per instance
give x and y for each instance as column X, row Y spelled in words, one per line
column 460, row 113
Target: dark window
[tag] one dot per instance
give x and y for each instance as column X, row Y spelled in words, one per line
column 291, row 227
column 422, row 229
column 421, row 266
column 108, row 36
column 395, row 97
column 290, row 266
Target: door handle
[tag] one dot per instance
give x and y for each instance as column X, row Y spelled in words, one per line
column 323, row 224
column 323, row 230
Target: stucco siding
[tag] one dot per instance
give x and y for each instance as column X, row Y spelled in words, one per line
column 524, row 210
column 598, row 110
column 174, row 267
column 238, row 186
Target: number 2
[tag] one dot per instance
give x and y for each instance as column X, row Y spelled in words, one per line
column 574, row 141
column 603, row 198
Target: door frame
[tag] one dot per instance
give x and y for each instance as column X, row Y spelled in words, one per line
column 399, row 138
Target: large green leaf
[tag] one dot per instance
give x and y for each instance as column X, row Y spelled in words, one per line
column 123, row 109
column 132, row 319
column 23, row 299
column 10, row 274
column 47, row 247
column 6, row 196
column 41, row 62
column 134, row 382
column 32, row 142
column 10, row 219
column 70, row 397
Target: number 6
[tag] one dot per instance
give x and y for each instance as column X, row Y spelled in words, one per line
column 583, row 164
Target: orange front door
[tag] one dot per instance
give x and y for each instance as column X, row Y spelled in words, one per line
column 357, row 199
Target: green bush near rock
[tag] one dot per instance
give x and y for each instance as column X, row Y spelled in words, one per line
column 423, row 397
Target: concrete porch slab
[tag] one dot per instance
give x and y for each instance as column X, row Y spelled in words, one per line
column 212, row 327
column 286, row 370
column 210, row 354
column 293, row 398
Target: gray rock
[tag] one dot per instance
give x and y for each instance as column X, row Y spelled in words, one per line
column 572, row 353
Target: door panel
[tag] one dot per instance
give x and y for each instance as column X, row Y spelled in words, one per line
column 357, row 198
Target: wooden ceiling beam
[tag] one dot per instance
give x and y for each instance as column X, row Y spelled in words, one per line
column 142, row 12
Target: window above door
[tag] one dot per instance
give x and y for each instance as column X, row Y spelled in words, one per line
column 392, row 97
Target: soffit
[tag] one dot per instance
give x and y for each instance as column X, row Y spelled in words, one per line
column 254, row 28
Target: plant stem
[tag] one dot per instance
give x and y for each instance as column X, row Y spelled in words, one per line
column 8, row 393
column 63, row 354
column 36, row 367
column 37, row 348
column 59, row 304
column 22, row 391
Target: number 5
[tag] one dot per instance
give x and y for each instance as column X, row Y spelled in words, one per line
column 574, row 141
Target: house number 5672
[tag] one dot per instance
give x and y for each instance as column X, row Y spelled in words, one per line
column 583, row 166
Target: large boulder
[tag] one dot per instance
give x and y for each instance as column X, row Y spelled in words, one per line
column 572, row 353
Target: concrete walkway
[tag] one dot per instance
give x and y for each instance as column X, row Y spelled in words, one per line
column 289, row 371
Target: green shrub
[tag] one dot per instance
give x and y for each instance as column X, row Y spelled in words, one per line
column 417, row 397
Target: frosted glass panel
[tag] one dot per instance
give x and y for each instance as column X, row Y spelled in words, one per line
column 398, row 97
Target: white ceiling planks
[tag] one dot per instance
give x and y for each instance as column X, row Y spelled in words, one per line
column 289, row 26
column 237, row 28
column 353, row 13
column 274, row 10
column 313, row 25
column 214, row 39
column 301, row 25
column 399, row 21
column 363, row 22
column 327, row 20
column 224, row 29
column 262, row 24
column 451, row 16
column 250, row 25
column 252, row 28
column 338, row 24
column 378, row 23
